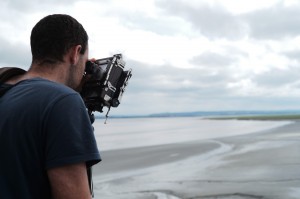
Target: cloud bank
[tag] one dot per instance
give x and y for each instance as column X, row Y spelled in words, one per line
column 185, row 56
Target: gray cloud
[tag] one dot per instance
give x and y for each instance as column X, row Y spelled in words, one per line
column 214, row 22
column 161, row 25
column 176, row 16
column 34, row 5
column 294, row 55
column 166, row 88
column 274, row 22
column 278, row 78
column 173, row 82
column 211, row 59
column 18, row 54
column 211, row 21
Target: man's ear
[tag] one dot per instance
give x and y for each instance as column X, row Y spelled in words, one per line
column 75, row 54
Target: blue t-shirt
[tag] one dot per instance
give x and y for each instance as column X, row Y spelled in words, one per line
column 43, row 125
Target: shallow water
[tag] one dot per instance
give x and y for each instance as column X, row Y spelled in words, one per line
column 137, row 132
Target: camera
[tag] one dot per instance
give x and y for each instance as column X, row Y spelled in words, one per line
column 105, row 83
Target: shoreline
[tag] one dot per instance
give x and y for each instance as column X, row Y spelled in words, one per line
column 259, row 117
column 257, row 165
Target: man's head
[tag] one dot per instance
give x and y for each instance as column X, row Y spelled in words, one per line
column 60, row 40
column 53, row 36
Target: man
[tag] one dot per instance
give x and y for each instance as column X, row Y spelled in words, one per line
column 46, row 137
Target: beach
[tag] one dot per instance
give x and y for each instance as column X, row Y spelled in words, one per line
column 193, row 158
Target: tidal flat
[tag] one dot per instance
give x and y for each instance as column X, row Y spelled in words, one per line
column 194, row 158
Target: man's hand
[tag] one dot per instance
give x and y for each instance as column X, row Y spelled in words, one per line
column 69, row 182
column 84, row 79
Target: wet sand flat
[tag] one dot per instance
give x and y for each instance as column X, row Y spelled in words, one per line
column 265, row 164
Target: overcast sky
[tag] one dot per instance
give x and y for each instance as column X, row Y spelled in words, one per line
column 196, row 55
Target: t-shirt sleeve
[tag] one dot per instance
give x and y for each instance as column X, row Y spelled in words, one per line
column 69, row 136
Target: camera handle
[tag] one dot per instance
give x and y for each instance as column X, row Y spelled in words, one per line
column 92, row 116
column 106, row 116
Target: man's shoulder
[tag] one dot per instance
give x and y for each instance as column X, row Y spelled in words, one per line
column 43, row 91
column 47, row 86
column 38, row 93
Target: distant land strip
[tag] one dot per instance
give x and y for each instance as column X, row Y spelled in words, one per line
column 259, row 117
column 240, row 115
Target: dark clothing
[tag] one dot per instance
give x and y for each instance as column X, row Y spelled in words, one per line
column 43, row 125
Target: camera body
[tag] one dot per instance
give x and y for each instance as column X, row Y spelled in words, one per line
column 105, row 83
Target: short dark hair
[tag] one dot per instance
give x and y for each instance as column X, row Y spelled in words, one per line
column 54, row 35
